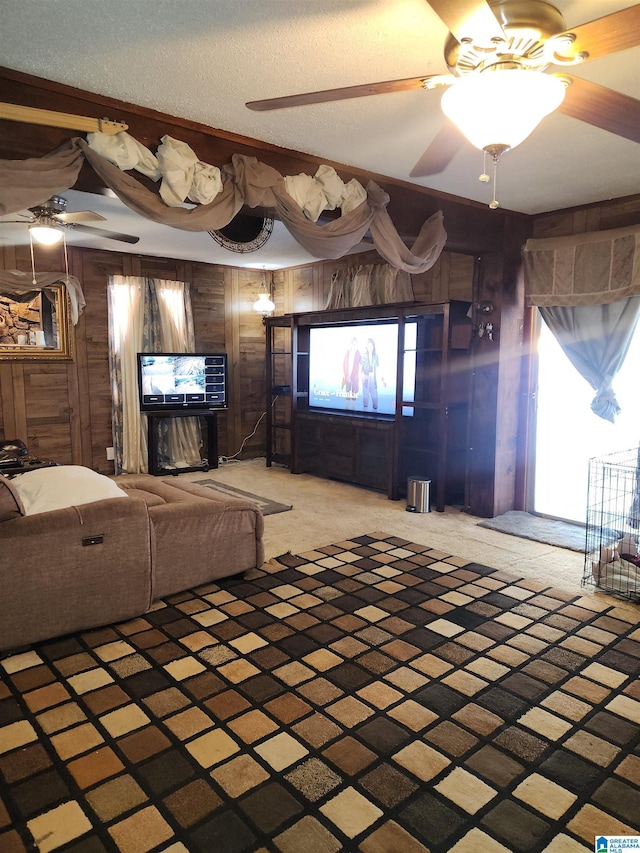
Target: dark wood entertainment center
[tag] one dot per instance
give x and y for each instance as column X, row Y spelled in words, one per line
column 426, row 436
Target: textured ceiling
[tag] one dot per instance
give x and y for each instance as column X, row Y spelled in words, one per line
column 203, row 59
column 161, row 241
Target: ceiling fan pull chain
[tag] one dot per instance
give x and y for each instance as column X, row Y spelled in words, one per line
column 66, row 258
column 33, row 263
column 484, row 177
column 494, row 201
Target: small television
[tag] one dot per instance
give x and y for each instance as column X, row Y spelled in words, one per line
column 353, row 367
column 179, row 381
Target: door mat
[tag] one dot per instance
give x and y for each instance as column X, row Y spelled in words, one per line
column 562, row 534
column 267, row 507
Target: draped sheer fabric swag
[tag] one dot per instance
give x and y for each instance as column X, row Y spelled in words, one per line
column 245, row 181
column 17, row 281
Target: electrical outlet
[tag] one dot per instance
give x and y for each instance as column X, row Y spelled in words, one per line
column 110, row 454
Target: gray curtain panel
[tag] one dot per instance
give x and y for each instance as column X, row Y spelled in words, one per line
column 586, row 287
column 596, row 339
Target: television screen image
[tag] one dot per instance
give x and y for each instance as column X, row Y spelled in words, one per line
column 353, row 368
column 182, row 380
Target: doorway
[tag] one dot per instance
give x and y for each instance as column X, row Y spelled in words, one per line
column 568, row 433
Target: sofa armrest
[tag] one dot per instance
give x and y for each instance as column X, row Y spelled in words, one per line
column 73, row 568
column 199, row 536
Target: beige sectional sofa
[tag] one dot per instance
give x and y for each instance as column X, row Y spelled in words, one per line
column 83, row 564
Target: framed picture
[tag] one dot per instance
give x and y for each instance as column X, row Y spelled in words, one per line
column 34, row 324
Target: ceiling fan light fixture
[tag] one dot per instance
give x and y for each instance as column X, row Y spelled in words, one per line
column 45, row 235
column 501, row 107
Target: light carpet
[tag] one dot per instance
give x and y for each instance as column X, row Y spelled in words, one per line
column 375, row 695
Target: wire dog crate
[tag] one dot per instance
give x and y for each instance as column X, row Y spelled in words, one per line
column 612, row 550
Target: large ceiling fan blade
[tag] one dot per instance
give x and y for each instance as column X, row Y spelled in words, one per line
column 440, row 153
column 469, row 19
column 342, row 94
column 110, row 235
column 614, row 32
column 602, row 108
column 80, row 216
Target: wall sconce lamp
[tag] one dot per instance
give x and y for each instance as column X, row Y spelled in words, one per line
column 264, row 304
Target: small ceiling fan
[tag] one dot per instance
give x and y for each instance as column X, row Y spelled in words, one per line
column 49, row 220
column 498, row 54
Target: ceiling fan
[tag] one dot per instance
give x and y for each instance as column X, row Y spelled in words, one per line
column 48, row 222
column 498, row 54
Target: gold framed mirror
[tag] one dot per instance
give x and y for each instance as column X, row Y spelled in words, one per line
column 34, row 324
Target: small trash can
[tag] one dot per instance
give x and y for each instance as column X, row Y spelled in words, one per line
column 418, row 495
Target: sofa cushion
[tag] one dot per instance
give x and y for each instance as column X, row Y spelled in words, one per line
column 47, row 489
column 10, row 503
column 148, row 497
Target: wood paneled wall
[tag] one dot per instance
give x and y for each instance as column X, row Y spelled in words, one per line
column 602, row 216
column 63, row 409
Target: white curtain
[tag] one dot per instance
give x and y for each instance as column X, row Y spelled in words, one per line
column 147, row 315
column 371, row 284
column 126, row 306
column 173, row 301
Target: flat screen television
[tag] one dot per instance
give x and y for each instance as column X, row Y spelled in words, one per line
column 353, row 367
column 182, row 381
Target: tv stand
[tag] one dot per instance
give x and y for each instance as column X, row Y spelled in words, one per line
column 153, row 418
column 425, row 436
